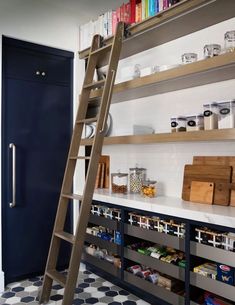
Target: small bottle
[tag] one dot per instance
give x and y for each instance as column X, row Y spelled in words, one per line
column 229, row 41
column 210, row 116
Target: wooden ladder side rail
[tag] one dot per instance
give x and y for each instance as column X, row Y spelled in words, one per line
column 78, row 240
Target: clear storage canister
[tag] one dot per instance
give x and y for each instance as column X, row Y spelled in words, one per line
column 195, row 122
column 229, row 41
column 188, row 58
column 226, row 114
column 149, row 189
column 210, row 116
column 211, row 50
column 137, row 176
column 178, row 124
column 119, row 182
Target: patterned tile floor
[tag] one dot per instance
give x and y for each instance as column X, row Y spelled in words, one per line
column 91, row 289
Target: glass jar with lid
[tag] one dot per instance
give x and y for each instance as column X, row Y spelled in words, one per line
column 137, row 176
column 188, row 58
column 178, row 124
column 149, row 189
column 226, row 117
column 195, row 122
column 210, row 116
column 229, row 41
column 119, row 182
column 211, row 50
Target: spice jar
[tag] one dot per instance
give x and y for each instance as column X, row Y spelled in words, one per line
column 211, row 50
column 188, row 58
column 210, row 116
column 137, row 176
column 149, row 188
column 195, row 122
column 229, row 41
column 226, row 114
column 119, row 182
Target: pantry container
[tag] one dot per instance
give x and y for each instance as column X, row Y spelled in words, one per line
column 195, row 122
column 188, row 58
column 226, row 114
column 210, row 116
column 149, row 188
column 178, row 124
column 119, row 182
column 137, row 176
column 229, row 41
column 211, row 50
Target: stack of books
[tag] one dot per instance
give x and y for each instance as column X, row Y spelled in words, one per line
column 131, row 12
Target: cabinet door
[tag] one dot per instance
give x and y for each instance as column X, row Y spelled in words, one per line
column 37, row 120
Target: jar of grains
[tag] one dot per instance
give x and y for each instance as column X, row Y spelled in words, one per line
column 137, row 176
column 210, row 116
column 119, row 182
column 148, row 188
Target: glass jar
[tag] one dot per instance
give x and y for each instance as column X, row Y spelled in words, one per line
column 210, row 116
column 189, row 58
column 119, row 182
column 136, row 73
column 195, row 122
column 178, row 124
column 226, row 117
column 137, row 176
column 229, row 41
column 211, row 50
column 149, row 188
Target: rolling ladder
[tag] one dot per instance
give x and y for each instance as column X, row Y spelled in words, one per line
column 97, row 53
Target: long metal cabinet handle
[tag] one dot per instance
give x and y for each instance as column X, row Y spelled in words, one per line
column 109, row 98
column 13, row 203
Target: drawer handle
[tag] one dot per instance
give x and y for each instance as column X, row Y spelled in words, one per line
column 37, row 72
column 43, row 73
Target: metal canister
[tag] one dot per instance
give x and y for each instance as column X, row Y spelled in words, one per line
column 137, row 176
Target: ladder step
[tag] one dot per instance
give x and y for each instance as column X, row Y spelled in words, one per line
column 102, row 50
column 73, row 196
column 95, row 85
column 56, row 276
column 80, row 158
column 65, row 236
column 87, row 121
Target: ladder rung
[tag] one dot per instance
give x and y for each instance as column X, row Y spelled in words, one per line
column 80, row 158
column 87, row 121
column 102, row 50
column 94, row 85
column 56, row 276
column 65, row 236
column 72, row 196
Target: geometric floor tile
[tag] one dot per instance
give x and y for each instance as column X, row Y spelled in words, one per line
column 90, row 289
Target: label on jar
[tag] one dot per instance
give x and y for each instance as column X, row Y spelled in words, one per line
column 224, row 111
column 174, row 124
column 191, row 123
column 208, row 113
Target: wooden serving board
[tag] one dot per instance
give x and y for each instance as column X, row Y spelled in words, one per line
column 202, row 192
column 208, row 173
column 219, row 160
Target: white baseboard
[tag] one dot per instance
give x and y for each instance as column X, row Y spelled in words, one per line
column 1, row 281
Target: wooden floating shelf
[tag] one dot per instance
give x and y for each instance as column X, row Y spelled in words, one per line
column 182, row 19
column 212, row 70
column 191, row 136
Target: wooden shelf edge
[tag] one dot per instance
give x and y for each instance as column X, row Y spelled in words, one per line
column 191, row 136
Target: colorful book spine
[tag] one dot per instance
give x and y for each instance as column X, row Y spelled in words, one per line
column 156, row 8
column 138, row 12
column 114, row 22
column 146, row 8
column 143, row 9
column 132, row 11
column 151, row 7
column 127, row 13
column 166, row 4
column 160, row 5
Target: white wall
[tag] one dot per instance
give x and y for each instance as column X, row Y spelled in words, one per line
column 165, row 162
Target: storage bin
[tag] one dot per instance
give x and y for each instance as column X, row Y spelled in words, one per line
column 211, row 50
column 210, row 116
column 226, row 117
column 229, row 41
column 195, row 122
column 178, row 124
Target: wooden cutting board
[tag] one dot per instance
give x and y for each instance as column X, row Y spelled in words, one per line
column 219, row 160
column 208, row 173
column 202, row 192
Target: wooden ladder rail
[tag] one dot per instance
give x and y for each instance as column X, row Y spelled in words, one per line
column 77, row 240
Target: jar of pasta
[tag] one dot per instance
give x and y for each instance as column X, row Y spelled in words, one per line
column 149, row 188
